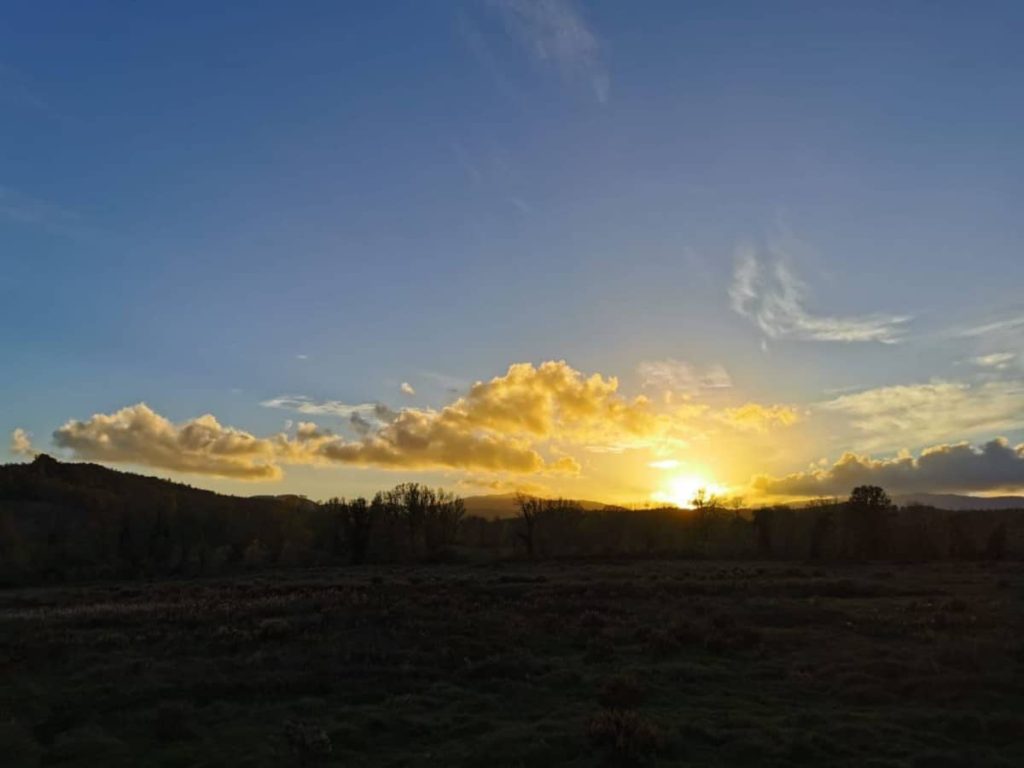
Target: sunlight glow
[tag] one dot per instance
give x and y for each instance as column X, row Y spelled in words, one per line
column 664, row 464
column 681, row 489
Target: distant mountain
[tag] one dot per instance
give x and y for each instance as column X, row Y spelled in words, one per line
column 499, row 505
column 74, row 490
column 955, row 501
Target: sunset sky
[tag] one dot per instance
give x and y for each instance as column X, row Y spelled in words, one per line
column 606, row 250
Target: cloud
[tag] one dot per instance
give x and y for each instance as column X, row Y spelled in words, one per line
column 675, row 376
column 414, row 440
column 419, row 439
column 773, row 297
column 407, row 389
column 555, row 401
column 139, row 435
column 450, row 384
column 995, row 327
column 502, row 486
column 499, row 425
column 755, row 417
column 525, row 421
column 21, row 443
column 664, row 464
column 938, row 410
column 961, row 467
column 998, row 360
column 556, row 35
column 543, row 402
column 311, row 407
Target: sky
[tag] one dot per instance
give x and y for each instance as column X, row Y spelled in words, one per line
column 603, row 250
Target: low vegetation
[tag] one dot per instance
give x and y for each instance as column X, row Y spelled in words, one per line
column 645, row 662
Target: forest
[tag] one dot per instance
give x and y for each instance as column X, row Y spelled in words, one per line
column 67, row 521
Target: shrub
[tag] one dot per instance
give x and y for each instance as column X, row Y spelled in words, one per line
column 621, row 692
column 18, row 745
column 307, row 742
column 173, row 721
column 626, row 737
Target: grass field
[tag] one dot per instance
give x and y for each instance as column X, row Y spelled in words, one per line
column 688, row 663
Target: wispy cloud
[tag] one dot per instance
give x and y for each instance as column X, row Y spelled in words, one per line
column 664, row 464
column 407, row 389
column 1000, row 361
column 310, row 407
column 449, row 383
column 673, row 375
column 938, row 410
column 754, row 417
column 1013, row 323
column 768, row 292
column 556, row 35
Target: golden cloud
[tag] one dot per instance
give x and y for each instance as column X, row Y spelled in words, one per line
column 139, row 435
column 759, row 418
column 522, row 422
column 21, row 443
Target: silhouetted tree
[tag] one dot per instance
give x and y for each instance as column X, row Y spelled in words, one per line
column 79, row 521
column 707, row 507
column 355, row 524
column 764, row 523
column 995, row 547
column 558, row 531
column 529, row 512
column 865, row 515
column 443, row 515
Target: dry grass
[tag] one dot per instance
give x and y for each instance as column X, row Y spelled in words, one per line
column 517, row 665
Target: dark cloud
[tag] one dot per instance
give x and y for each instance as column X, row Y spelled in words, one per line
column 994, row 466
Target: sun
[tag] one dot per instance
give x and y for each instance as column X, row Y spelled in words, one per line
column 680, row 490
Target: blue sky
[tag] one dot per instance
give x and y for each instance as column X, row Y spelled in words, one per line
column 204, row 209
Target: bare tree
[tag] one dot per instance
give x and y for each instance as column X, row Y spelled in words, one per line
column 530, row 510
column 444, row 511
column 707, row 506
column 355, row 522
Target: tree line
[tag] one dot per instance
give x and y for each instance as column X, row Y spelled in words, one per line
column 62, row 522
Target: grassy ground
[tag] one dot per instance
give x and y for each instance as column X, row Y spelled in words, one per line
column 518, row 665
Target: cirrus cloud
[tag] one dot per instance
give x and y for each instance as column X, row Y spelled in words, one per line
column 555, row 34
column 768, row 292
column 930, row 412
column 672, row 375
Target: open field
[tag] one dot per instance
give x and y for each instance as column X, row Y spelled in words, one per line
column 663, row 662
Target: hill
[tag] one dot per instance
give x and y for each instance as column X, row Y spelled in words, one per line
column 77, row 520
column 958, row 502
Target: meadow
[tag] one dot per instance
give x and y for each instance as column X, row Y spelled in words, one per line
column 628, row 662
